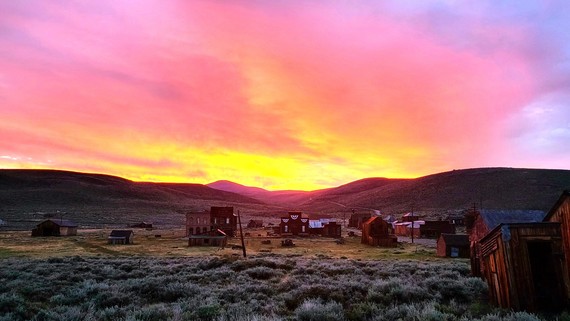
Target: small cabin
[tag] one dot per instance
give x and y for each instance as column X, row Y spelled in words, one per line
column 294, row 224
column 377, row 232
column 211, row 238
column 524, row 264
column 433, row 229
column 356, row 219
column 456, row 219
column 55, row 227
column 121, row 237
column 408, row 228
column 332, row 229
column 255, row 224
column 453, row 245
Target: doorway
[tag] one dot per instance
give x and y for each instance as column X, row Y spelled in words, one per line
column 546, row 278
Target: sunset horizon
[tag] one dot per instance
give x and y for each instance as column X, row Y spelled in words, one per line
column 283, row 95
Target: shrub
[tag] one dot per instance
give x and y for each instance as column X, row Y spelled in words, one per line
column 316, row 310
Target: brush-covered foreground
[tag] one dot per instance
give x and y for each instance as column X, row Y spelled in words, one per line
column 229, row 288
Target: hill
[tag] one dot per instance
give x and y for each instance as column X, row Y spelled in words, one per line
column 95, row 199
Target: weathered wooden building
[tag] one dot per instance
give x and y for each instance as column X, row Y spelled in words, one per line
column 198, row 223
column 408, row 228
column 524, row 266
column 255, row 223
column 481, row 222
column 121, row 237
column 377, row 232
column 433, row 229
column 215, row 237
column 55, row 227
column 356, row 219
column 456, row 219
column 560, row 213
column 332, row 229
column 453, row 245
column 223, row 218
column 294, row 224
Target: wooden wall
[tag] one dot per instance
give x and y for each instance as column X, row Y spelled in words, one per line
column 561, row 213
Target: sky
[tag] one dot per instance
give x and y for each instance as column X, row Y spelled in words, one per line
column 283, row 94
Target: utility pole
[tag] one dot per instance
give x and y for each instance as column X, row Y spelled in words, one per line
column 241, row 234
column 412, row 224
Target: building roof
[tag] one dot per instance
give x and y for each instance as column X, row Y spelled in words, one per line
column 492, row 218
column 315, row 224
column 62, row 223
column 558, row 203
column 455, row 239
column 121, row 233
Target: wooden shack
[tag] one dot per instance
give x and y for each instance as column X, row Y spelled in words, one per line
column 332, row 229
column 121, row 237
column 223, row 218
column 407, row 229
column 55, row 227
column 255, row 224
column 456, row 219
column 560, row 213
column 377, row 232
column 433, row 229
column 480, row 222
column 294, row 224
column 211, row 238
column 524, row 266
column 356, row 219
column 453, row 245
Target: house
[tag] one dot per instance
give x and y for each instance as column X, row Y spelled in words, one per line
column 255, row 223
column 197, row 223
column 332, row 229
column 480, row 222
column 55, row 227
column 524, row 266
column 377, row 232
column 215, row 237
column 456, row 219
column 410, row 217
column 224, row 219
column 317, row 223
column 356, row 219
column 453, row 245
column 433, row 229
column 560, row 213
column 121, row 237
column 407, row 228
column 294, row 224
column 142, row 225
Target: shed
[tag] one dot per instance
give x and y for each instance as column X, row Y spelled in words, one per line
column 121, row 237
column 332, row 229
column 481, row 222
column 406, row 228
column 524, row 266
column 55, row 227
column 377, row 232
column 433, row 229
column 356, row 219
column 211, row 238
column 453, row 245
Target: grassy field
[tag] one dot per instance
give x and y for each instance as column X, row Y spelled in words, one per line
column 161, row 278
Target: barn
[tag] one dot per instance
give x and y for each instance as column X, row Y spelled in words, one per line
column 211, row 238
column 453, row 245
column 55, row 227
column 524, row 266
column 377, row 232
column 121, row 237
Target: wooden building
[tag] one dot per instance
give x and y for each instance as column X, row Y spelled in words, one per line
column 294, row 224
column 406, row 228
column 121, row 237
column 198, row 223
column 215, row 237
column 255, row 224
column 356, row 219
column 480, row 222
column 377, row 232
column 332, row 229
column 433, row 229
column 560, row 213
column 55, row 227
column 456, row 219
column 410, row 217
column 453, row 245
column 223, row 218
column 524, row 266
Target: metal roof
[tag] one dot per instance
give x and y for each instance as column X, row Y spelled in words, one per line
column 63, row 223
column 455, row 239
column 492, row 218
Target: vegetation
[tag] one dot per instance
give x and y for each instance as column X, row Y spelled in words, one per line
column 229, row 288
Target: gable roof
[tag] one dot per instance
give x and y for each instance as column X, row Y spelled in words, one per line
column 561, row 199
column 62, row 223
column 492, row 218
column 121, row 233
column 455, row 239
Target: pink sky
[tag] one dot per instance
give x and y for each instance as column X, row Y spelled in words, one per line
column 283, row 95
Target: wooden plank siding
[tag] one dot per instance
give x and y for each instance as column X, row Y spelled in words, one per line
column 560, row 212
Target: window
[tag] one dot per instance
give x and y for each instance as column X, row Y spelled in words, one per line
column 215, row 220
column 286, row 228
column 303, row 228
column 191, row 219
column 227, row 220
column 191, row 231
column 204, row 230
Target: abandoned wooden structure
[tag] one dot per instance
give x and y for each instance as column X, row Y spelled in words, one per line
column 456, row 219
column 55, row 227
column 223, row 218
column 332, row 229
column 356, row 219
column 377, row 232
column 121, row 237
column 215, row 237
column 433, row 229
column 407, row 229
column 524, row 266
column 198, row 223
column 255, row 224
column 453, row 245
column 481, row 222
column 294, row 224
